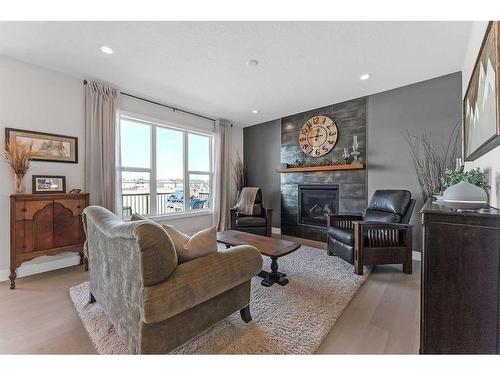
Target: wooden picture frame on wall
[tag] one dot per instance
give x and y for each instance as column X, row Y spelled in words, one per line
column 53, row 147
column 481, row 104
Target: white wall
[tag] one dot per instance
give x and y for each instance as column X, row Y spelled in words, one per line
column 39, row 99
column 491, row 160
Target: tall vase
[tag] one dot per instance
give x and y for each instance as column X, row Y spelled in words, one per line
column 19, row 181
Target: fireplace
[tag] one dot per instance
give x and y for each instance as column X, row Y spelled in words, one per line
column 315, row 201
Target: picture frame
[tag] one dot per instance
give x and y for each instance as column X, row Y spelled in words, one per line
column 42, row 184
column 481, row 107
column 54, row 147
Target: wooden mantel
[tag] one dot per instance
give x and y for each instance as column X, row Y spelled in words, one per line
column 322, row 168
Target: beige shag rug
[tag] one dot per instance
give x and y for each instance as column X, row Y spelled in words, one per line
column 291, row 319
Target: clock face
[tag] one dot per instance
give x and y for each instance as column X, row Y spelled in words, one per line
column 318, row 136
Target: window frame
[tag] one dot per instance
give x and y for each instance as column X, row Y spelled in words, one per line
column 152, row 170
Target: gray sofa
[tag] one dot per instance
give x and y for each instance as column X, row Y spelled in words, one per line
column 154, row 303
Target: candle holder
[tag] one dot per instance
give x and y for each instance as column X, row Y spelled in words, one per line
column 355, row 146
column 346, row 155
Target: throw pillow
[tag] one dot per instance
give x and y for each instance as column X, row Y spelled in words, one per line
column 191, row 247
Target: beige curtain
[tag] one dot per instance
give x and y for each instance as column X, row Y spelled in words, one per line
column 222, row 199
column 102, row 146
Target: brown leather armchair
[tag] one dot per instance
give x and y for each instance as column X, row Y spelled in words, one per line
column 381, row 236
column 259, row 223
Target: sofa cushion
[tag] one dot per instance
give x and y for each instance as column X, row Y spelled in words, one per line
column 344, row 235
column 191, row 247
column 392, row 201
column 386, row 217
column 250, row 221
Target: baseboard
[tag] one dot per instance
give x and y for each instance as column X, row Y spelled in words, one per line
column 416, row 255
column 28, row 269
column 275, row 230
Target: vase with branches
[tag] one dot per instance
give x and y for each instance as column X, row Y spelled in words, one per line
column 239, row 175
column 19, row 157
column 431, row 158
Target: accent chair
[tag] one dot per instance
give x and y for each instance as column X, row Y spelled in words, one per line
column 154, row 303
column 257, row 221
column 381, row 236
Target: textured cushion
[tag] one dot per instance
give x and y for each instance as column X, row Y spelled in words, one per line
column 200, row 280
column 392, row 201
column 137, row 217
column 251, row 221
column 342, row 234
column 382, row 216
column 198, row 245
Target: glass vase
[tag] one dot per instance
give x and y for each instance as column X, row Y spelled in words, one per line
column 19, row 182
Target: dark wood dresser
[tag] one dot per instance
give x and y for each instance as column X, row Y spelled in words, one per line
column 44, row 224
column 460, row 296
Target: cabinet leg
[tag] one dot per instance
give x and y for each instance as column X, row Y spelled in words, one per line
column 12, row 278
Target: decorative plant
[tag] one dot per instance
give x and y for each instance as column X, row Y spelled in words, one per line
column 239, row 174
column 431, row 159
column 19, row 157
column 474, row 176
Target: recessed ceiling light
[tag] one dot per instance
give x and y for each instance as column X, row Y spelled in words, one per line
column 255, row 111
column 252, row 63
column 107, row 50
column 364, row 77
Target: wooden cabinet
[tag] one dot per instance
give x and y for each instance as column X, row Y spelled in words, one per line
column 44, row 224
column 460, row 296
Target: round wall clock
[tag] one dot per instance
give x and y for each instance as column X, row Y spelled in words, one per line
column 318, row 136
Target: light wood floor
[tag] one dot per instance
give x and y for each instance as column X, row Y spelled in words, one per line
column 38, row 316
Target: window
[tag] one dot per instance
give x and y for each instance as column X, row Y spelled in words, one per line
column 164, row 170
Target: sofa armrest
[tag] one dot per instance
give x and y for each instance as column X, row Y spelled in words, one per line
column 199, row 280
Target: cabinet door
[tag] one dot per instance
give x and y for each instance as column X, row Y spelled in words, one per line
column 38, row 229
column 67, row 223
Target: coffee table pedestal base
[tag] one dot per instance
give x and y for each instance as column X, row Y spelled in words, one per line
column 269, row 278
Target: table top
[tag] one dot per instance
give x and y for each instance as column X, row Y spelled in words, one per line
column 269, row 246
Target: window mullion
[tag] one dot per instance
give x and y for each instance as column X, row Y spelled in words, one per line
column 185, row 171
column 153, row 185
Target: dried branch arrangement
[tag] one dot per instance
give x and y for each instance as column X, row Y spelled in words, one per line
column 431, row 159
column 19, row 157
column 239, row 174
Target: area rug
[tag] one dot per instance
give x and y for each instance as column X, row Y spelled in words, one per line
column 291, row 319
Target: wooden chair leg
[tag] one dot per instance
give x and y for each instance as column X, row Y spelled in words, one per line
column 407, row 266
column 358, row 249
column 245, row 314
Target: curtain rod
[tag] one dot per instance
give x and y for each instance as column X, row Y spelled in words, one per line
column 162, row 105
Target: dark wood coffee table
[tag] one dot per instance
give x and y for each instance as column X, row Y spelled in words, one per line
column 268, row 246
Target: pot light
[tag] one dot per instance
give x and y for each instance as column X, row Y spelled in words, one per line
column 252, row 63
column 107, row 50
column 364, row 77
column 255, row 111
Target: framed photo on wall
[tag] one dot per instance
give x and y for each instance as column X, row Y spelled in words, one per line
column 481, row 112
column 48, row 184
column 53, row 147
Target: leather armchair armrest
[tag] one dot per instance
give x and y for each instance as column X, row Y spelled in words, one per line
column 382, row 234
column 268, row 212
column 199, row 280
column 234, row 213
column 347, row 219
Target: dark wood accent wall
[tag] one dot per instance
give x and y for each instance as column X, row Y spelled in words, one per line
column 460, row 296
column 350, row 117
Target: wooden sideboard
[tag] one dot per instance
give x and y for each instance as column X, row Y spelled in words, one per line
column 45, row 224
column 460, row 295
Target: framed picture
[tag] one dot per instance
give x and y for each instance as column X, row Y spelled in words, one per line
column 481, row 117
column 53, row 147
column 48, row 184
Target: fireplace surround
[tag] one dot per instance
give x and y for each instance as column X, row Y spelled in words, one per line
column 315, row 202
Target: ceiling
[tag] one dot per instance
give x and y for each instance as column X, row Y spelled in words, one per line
column 201, row 66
